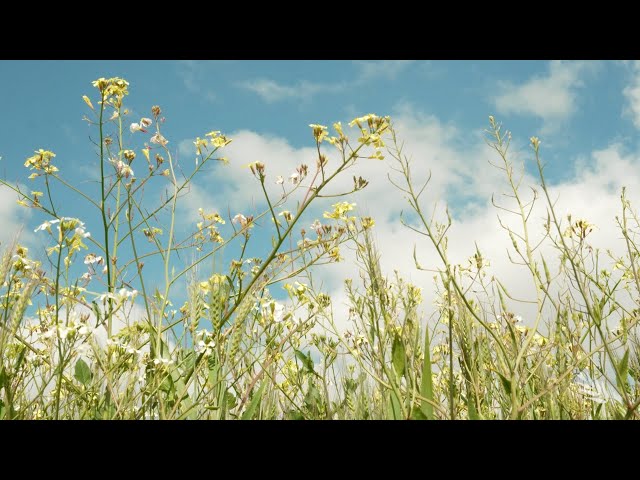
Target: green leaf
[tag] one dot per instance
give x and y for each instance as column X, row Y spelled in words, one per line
column 623, row 368
column 3, row 377
column 417, row 414
column 506, row 383
column 307, row 363
column 251, row 410
column 82, row 372
column 426, row 385
column 398, row 356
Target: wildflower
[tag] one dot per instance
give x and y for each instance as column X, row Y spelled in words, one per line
column 535, row 143
column 294, row 178
column 200, row 143
column 217, row 139
column 129, row 155
column 367, row 222
column 92, row 258
column 159, row 139
column 339, row 210
column 287, row 215
column 279, row 180
column 87, row 101
column 145, row 122
column 317, row 227
column 319, row 132
column 257, row 168
column 239, row 218
column 123, row 169
column 155, row 110
column 136, row 127
column 41, row 161
column 46, row 226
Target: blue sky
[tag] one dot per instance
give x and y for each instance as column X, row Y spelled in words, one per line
column 587, row 114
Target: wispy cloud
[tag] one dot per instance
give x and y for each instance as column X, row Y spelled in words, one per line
column 552, row 97
column 370, row 70
column 192, row 73
column 632, row 94
column 271, row 91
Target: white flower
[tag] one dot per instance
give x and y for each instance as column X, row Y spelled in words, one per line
column 163, row 361
column 279, row 180
column 239, row 218
column 135, row 127
column 317, row 227
column 47, row 225
column 146, row 122
column 159, row 139
column 92, row 258
column 123, row 169
column 294, row 178
column 80, row 231
column 277, row 309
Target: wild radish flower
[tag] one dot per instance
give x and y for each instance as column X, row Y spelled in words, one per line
column 136, row 127
column 163, row 361
column 317, row 227
column 145, row 122
column 294, row 178
column 279, row 180
column 41, row 161
column 217, row 139
column 123, row 169
column 535, row 143
column 319, row 132
column 92, row 258
column 239, row 218
column 339, row 210
column 159, row 139
column 287, row 215
column 368, row 222
column 200, row 143
column 129, row 155
column 46, row 225
column 273, row 311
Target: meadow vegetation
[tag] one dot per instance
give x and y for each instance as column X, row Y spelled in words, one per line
column 89, row 330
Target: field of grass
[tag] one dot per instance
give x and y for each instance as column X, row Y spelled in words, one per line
column 93, row 332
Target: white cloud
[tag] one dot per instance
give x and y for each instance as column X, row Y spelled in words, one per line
column 12, row 218
column 632, row 94
column 272, row 91
column 390, row 69
column 192, row 74
column 552, row 97
column 461, row 178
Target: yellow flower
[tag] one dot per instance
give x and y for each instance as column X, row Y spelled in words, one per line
column 339, row 210
column 200, row 143
column 368, row 222
column 217, row 139
column 535, row 143
column 129, row 155
column 319, row 132
column 41, row 161
column 87, row 101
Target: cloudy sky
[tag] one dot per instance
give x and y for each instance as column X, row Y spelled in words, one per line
column 587, row 114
